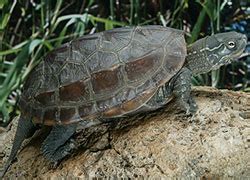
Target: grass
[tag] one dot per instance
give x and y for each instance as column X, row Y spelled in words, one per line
column 29, row 29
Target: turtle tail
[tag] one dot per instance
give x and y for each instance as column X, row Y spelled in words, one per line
column 25, row 129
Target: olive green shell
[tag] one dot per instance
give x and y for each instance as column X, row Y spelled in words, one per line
column 102, row 75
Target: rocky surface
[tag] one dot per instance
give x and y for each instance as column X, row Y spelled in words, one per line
column 213, row 143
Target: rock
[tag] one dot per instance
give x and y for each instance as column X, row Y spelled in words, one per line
column 161, row 144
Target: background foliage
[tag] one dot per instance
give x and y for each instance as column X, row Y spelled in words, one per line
column 28, row 29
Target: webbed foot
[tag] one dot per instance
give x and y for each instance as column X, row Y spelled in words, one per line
column 59, row 143
column 62, row 152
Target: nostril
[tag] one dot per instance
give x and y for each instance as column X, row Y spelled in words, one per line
column 245, row 37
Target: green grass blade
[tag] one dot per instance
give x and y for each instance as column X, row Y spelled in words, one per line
column 15, row 70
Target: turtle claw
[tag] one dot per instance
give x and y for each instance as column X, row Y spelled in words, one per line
column 54, row 165
column 192, row 110
column 192, row 106
column 189, row 107
column 62, row 152
column 65, row 150
column 188, row 111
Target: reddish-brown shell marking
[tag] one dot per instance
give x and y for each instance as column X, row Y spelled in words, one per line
column 103, row 75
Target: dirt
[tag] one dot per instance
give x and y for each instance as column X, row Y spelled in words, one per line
column 213, row 143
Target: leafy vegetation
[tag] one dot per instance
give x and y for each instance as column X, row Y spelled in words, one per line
column 29, row 29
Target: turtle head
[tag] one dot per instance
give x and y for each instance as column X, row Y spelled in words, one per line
column 223, row 48
column 213, row 51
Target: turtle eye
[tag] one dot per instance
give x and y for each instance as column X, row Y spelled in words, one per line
column 231, row 44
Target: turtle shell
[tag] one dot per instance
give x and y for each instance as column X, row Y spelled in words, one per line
column 102, row 75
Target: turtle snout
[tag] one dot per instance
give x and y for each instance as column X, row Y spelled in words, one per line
column 243, row 41
column 244, row 38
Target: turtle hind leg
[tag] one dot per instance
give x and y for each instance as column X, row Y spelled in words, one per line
column 58, row 144
column 25, row 129
column 182, row 90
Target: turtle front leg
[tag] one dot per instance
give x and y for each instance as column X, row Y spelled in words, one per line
column 182, row 91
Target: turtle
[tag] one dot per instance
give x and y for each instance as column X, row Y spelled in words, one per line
column 113, row 74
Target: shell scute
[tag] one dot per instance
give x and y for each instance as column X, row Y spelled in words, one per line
column 49, row 82
column 176, row 46
column 76, row 91
column 154, row 35
column 101, row 60
column 86, row 110
column 172, row 63
column 144, row 66
column 87, row 45
column 46, row 98
column 133, row 51
column 72, row 72
column 51, row 115
column 38, row 113
column 60, row 54
column 68, row 113
column 114, row 40
column 148, row 84
column 107, row 80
